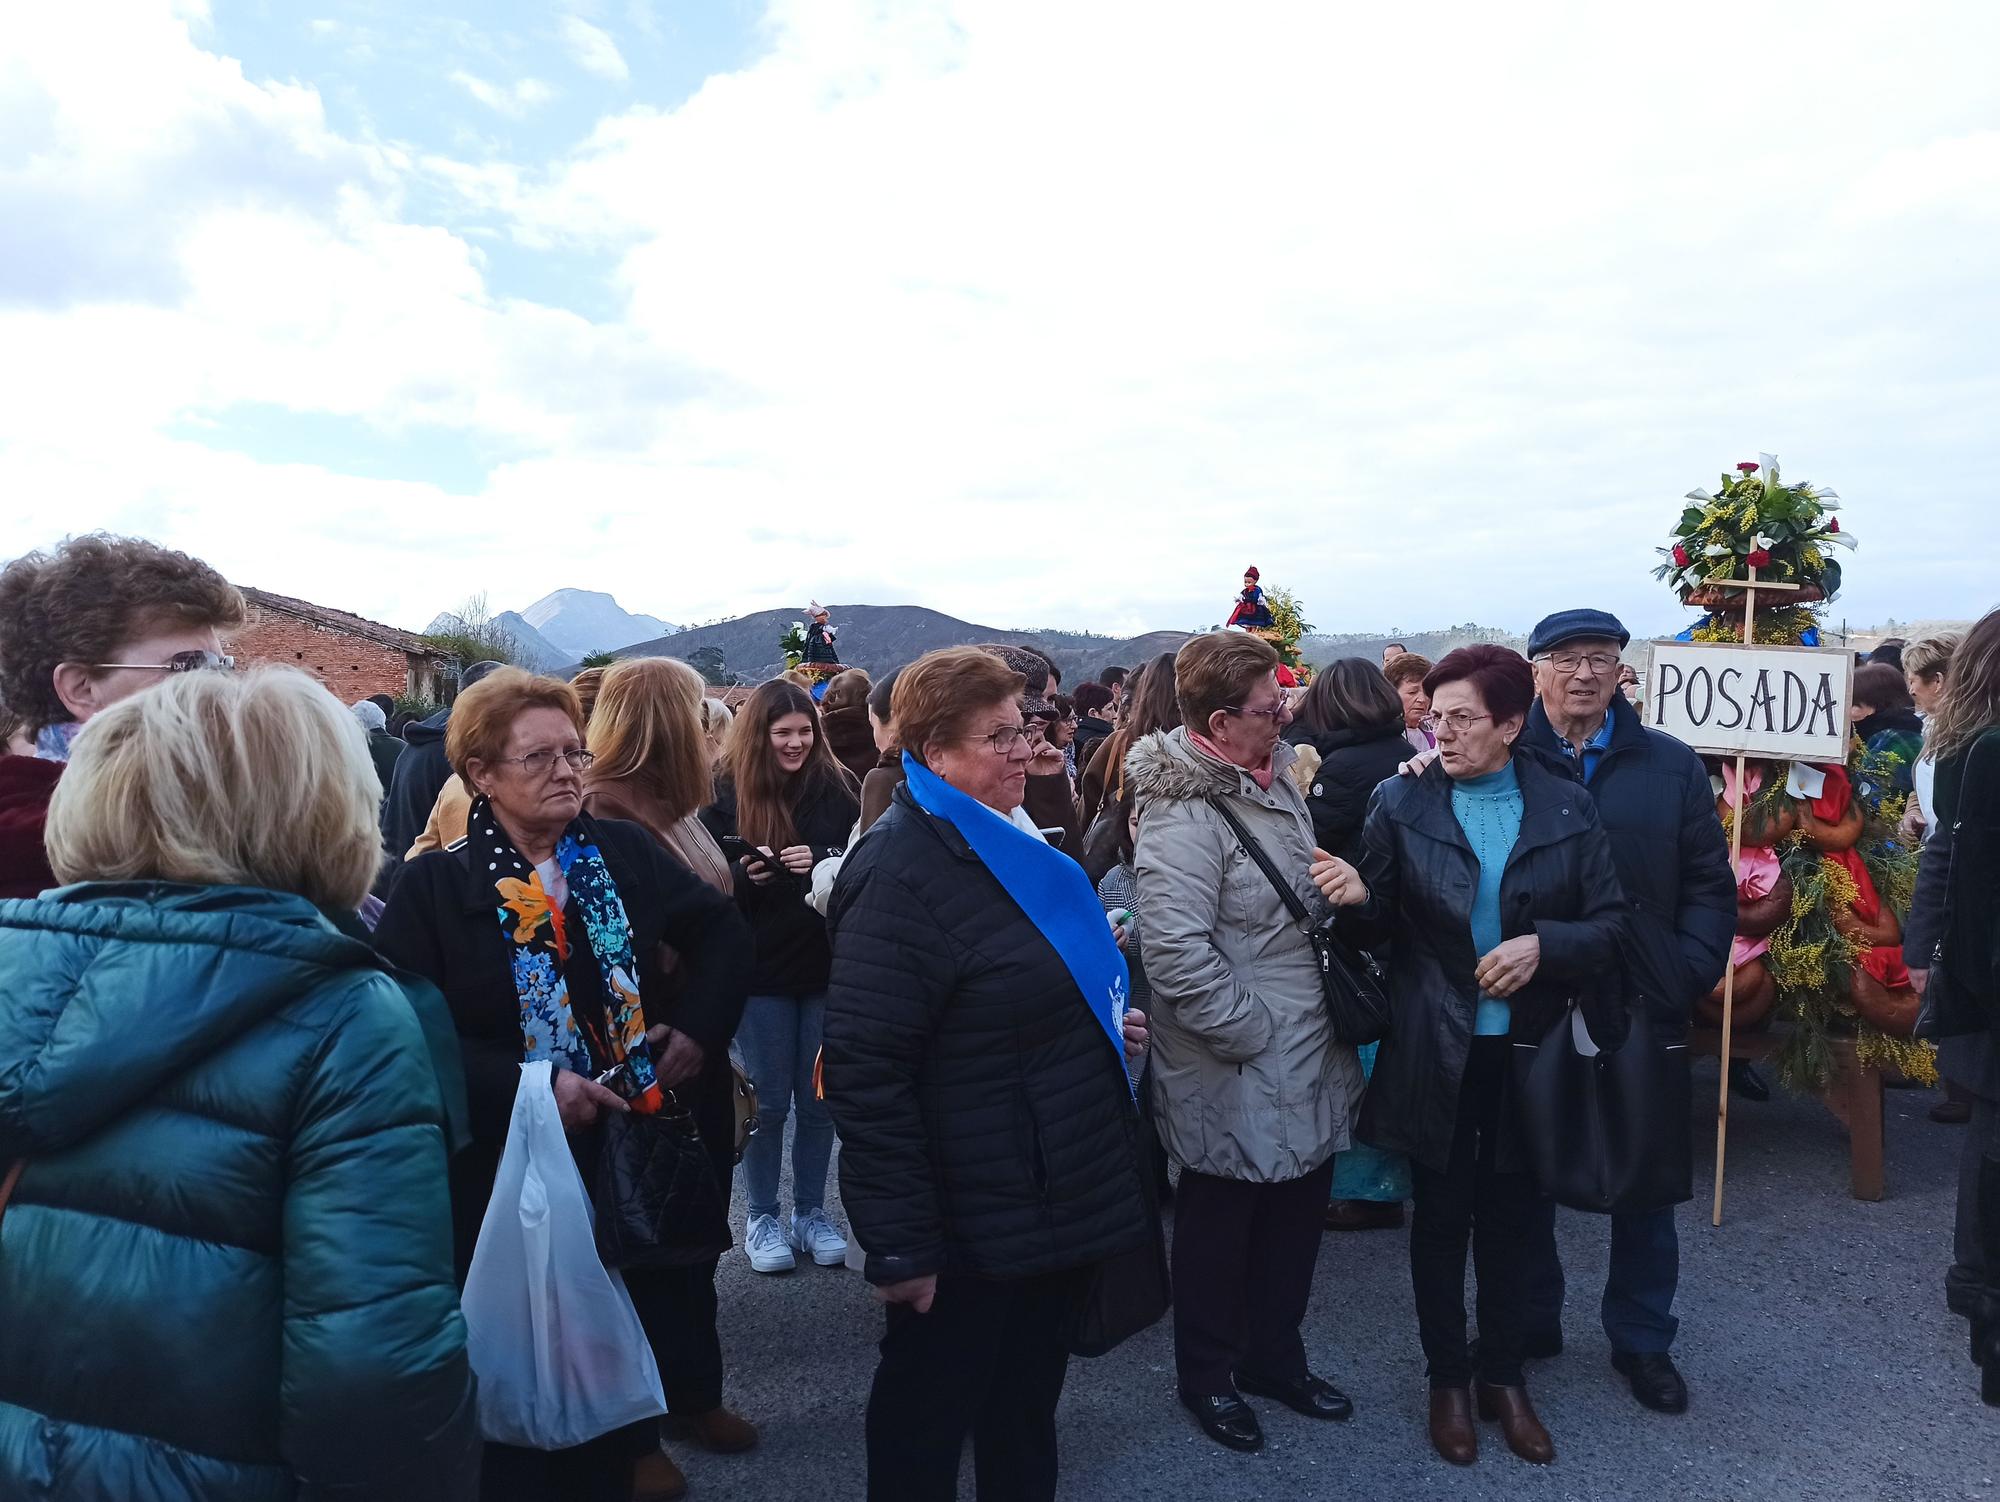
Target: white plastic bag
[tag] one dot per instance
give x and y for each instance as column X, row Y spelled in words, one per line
column 550, row 1331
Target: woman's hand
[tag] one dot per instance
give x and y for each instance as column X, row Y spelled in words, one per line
column 1047, row 760
column 677, row 1058
column 1136, row 1035
column 797, row 859
column 1417, row 765
column 760, row 870
column 581, row 1102
column 1338, row 882
column 918, row 1293
column 1510, row 966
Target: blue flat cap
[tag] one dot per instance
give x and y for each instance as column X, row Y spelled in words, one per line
column 1576, row 625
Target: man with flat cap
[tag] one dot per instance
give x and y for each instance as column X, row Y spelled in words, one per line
column 1654, row 800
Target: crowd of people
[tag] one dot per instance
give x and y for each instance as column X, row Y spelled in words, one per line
column 1050, row 969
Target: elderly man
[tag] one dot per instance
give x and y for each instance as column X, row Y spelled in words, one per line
column 1653, row 796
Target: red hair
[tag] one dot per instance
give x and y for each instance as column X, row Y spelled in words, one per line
column 1500, row 676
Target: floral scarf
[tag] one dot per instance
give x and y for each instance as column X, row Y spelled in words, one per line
column 538, row 930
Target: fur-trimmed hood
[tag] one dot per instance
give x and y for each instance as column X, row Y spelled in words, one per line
column 1168, row 765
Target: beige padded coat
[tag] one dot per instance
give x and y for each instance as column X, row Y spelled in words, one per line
column 1247, row 1080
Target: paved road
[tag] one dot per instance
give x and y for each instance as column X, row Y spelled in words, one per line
column 1814, row 1338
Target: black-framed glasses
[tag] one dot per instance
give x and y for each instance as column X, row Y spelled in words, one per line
column 1003, row 740
column 180, row 662
column 1569, row 662
column 1458, row 720
column 541, row 763
column 1274, row 715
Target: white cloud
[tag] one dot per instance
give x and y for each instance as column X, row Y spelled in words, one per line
column 1433, row 316
column 515, row 99
column 593, row 50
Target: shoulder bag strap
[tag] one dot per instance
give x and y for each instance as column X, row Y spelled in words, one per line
column 8, row 1181
column 1256, row 853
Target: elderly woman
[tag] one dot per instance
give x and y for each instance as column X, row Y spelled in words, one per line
column 1406, row 672
column 225, row 1266
column 974, row 1067
column 1252, row 1095
column 536, row 927
column 652, row 770
column 1495, row 883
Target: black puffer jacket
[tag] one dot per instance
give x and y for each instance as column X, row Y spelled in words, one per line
column 986, row 1123
column 792, row 952
column 1352, row 764
column 1654, row 800
column 1560, row 885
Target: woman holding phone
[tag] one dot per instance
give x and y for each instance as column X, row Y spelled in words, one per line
column 783, row 805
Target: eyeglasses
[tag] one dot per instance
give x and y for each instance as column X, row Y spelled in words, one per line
column 1569, row 662
column 1459, row 721
column 1273, row 715
column 541, row 763
column 180, row 662
column 1003, row 740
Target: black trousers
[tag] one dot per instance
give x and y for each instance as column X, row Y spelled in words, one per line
column 1244, row 1255
column 988, row 1361
column 600, row 1471
column 1497, row 1213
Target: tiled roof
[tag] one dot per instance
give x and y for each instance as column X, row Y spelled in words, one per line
column 346, row 623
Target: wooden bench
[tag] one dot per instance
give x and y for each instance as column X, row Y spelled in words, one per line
column 1853, row 1095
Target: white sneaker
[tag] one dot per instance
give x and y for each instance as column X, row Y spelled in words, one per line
column 813, row 1234
column 765, row 1242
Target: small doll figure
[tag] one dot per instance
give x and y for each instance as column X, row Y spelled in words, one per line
column 820, row 653
column 1251, row 612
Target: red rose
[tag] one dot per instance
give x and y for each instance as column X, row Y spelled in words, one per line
column 1681, row 559
column 1833, row 526
column 1759, row 558
column 1747, row 467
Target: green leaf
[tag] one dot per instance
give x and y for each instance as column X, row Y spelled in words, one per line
column 1690, row 519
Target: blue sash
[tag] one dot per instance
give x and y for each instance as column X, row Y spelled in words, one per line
column 1048, row 887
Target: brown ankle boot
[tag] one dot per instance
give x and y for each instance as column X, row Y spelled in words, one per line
column 1516, row 1415
column 1452, row 1434
column 718, row 1431
column 657, row 1479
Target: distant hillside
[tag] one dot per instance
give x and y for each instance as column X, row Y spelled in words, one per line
column 531, row 648
column 581, row 621
column 881, row 637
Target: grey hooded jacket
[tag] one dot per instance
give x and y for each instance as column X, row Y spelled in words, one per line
column 1248, row 1082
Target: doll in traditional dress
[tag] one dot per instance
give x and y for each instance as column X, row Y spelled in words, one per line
column 1251, row 611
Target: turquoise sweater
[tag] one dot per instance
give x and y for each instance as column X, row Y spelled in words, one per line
column 1488, row 809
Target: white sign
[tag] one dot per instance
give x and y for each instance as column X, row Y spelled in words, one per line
column 1781, row 703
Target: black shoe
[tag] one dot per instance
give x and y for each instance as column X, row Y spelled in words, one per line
column 1308, row 1395
column 1656, row 1381
column 1748, row 1083
column 1229, row 1421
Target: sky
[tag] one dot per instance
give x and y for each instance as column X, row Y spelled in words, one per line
column 1041, row 314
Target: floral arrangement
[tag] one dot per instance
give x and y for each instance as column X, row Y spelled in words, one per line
column 1825, row 881
column 1755, row 520
column 793, row 644
column 1288, row 626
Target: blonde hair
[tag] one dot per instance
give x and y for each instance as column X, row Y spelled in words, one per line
column 1930, row 656
column 258, row 779
column 1970, row 703
column 646, row 728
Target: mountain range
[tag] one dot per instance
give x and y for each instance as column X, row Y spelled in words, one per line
column 881, row 637
column 583, row 621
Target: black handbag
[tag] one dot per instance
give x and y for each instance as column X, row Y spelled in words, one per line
column 1607, row 1132
column 1350, row 978
column 1126, row 1294
column 656, row 1198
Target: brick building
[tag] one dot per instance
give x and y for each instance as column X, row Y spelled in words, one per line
column 353, row 657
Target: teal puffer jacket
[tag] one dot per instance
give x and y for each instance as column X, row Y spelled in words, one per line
column 226, row 1270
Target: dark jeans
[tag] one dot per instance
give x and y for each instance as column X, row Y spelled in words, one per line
column 1971, row 1271
column 600, row 1471
column 1645, row 1272
column 1497, row 1213
column 1243, row 1268
column 988, row 1361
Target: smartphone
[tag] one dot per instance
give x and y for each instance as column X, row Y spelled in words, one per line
column 736, row 849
